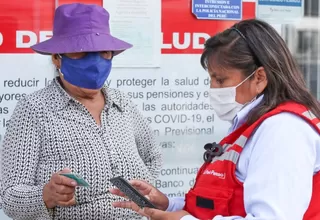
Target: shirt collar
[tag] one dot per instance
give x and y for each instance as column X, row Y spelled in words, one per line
column 62, row 98
column 242, row 115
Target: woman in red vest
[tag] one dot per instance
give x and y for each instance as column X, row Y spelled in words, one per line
column 267, row 168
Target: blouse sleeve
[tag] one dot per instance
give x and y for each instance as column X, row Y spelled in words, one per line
column 21, row 196
column 150, row 152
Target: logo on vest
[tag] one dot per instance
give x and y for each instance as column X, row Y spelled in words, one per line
column 214, row 173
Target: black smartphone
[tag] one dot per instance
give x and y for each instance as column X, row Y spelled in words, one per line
column 135, row 196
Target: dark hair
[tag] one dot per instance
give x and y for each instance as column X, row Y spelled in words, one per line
column 250, row 44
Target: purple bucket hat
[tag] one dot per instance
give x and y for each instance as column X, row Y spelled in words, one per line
column 81, row 28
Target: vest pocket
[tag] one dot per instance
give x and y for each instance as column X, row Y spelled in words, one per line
column 206, row 203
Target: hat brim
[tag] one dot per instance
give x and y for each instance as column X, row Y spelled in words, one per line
column 81, row 43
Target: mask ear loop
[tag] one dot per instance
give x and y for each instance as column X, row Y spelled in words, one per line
column 246, row 78
column 59, row 69
column 255, row 96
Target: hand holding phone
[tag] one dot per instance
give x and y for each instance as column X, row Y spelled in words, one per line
column 134, row 195
column 80, row 181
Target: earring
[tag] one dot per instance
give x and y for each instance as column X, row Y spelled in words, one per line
column 59, row 70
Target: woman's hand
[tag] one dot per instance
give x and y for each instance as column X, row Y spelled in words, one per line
column 59, row 191
column 154, row 195
column 155, row 214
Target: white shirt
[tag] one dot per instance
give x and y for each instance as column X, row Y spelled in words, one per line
column 276, row 167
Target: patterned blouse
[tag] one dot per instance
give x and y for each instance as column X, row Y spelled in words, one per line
column 49, row 130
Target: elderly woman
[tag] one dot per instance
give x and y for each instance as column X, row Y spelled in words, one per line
column 78, row 125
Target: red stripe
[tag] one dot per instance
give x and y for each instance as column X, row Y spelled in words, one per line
column 34, row 17
column 236, row 148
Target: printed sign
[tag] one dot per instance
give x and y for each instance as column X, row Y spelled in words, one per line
column 217, row 9
column 173, row 98
column 18, row 31
column 280, row 11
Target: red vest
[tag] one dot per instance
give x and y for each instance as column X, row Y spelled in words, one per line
column 217, row 191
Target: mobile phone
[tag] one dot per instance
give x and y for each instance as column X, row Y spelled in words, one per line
column 135, row 196
column 80, row 181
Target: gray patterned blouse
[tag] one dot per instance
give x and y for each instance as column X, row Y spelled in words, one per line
column 49, row 130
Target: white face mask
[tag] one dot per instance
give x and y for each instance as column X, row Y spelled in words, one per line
column 223, row 101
